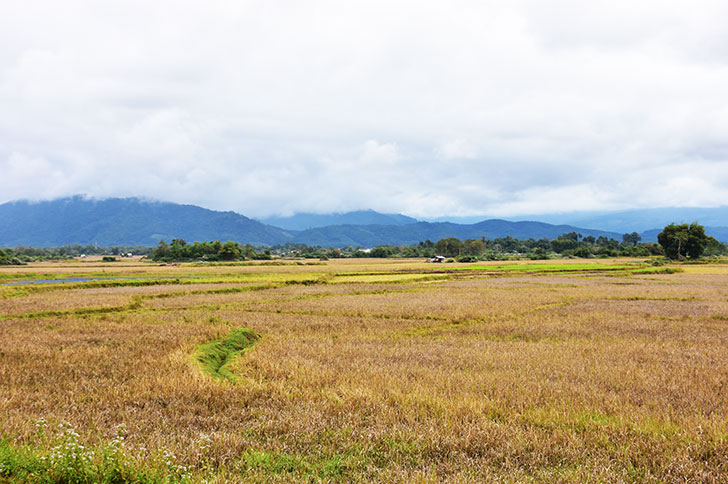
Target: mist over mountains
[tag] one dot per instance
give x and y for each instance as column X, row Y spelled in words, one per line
column 134, row 221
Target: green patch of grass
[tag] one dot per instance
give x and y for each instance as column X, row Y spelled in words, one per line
column 216, row 356
column 135, row 304
column 390, row 278
column 266, row 263
column 350, row 462
column 659, row 270
column 28, row 276
column 309, row 468
column 306, row 282
column 67, row 461
column 550, row 267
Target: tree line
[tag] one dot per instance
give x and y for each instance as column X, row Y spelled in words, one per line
column 675, row 242
column 23, row 254
column 180, row 250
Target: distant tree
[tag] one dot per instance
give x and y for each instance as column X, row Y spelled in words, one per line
column 631, row 239
column 383, row 251
column 230, row 251
column 539, row 254
column 680, row 241
column 570, row 236
column 178, row 249
column 565, row 242
column 714, row 247
column 474, row 247
column 654, row 248
column 543, row 243
column 449, row 247
column 427, row 244
column 249, row 252
column 508, row 243
column 583, row 251
column 161, row 252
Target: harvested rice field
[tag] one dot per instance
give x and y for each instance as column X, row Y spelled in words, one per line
column 364, row 370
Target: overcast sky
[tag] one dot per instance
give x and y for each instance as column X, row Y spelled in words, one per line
column 424, row 108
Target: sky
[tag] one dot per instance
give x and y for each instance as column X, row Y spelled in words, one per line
column 426, row 108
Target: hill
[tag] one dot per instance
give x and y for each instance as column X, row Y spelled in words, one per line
column 132, row 221
column 124, row 221
column 304, row 221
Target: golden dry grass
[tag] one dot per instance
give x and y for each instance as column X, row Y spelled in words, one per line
column 365, row 375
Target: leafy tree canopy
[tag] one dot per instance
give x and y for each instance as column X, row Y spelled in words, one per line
column 449, row 247
column 680, row 241
column 631, row 239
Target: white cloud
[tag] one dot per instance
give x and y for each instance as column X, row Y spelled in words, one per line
column 375, row 153
column 429, row 108
column 458, row 148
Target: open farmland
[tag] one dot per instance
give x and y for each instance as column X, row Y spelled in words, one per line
column 365, row 370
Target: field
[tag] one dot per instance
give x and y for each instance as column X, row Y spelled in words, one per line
column 364, row 370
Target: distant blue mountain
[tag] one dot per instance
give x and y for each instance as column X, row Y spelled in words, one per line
column 641, row 220
column 373, row 235
column 133, row 221
column 304, row 221
column 124, row 221
column 646, row 222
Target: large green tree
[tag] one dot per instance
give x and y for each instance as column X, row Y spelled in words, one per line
column 449, row 247
column 681, row 241
column 474, row 247
column 229, row 251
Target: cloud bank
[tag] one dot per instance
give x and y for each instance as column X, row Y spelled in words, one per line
column 424, row 108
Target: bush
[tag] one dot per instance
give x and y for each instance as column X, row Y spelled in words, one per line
column 108, row 258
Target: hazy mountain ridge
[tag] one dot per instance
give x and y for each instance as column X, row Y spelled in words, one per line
column 305, row 221
column 373, row 235
column 642, row 220
column 133, row 221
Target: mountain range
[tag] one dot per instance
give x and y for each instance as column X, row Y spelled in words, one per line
column 303, row 221
column 134, row 221
column 124, row 221
column 642, row 220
